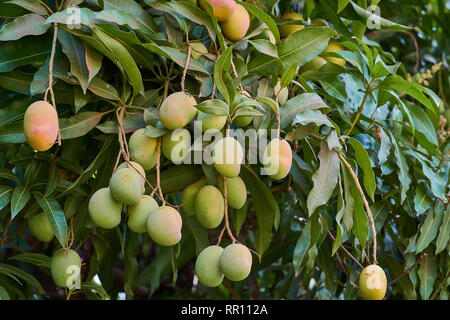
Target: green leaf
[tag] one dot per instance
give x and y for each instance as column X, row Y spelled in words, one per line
column 75, row 51
column 264, row 46
column 342, row 4
column 304, row 45
column 103, row 89
column 328, row 266
column 444, row 232
column 238, row 217
column 362, row 157
column 134, row 9
column 422, row 201
column 157, row 131
column 38, row 259
column 200, row 234
column 123, row 56
column 214, row 106
column 429, row 229
column 312, row 116
column 15, row 273
column 220, row 70
column 288, row 76
column 300, row 103
column 29, row 24
column 178, row 177
column 270, row 23
column 427, row 275
column 402, row 164
column 301, row 248
column 5, row 196
column 19, row 199
column 55, row 216
column 265, row 206
column 79, row 124
column 325, row 179
column 22, row 52
column 7, row 174
column 30, row 5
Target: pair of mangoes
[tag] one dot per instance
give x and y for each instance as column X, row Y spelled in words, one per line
column 214, row 263
column 207, row 202
column 234, row 18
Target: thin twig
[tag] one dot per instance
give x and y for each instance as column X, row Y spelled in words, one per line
column 346, row 251
column 230, row 290
column 183, row 78
column 227, row 222
column 158, row 172
column 2, row 241
column 409, row 269
column 443, row 283
column 366, row 204
column 220, row 236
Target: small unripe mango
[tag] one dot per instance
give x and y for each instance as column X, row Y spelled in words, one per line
column 143, row 149
column 207, row 266
column 236, row 26
column 126, row 186
column 133, row 165
column 104, row 210
column 188, row 196
column 236, row 262
column 206, row 121
column 175, row 145
column 177, row 110
column 209, row 206
column 65, row 267
column 139, row 213
column 236, row 191
column 373, row 283
column 40, row 125
column 164, row 226
column 228, row 156
column 334, row 46
column 40, row 227
column 222, row 9
column 287, row 29
column 277, row 159
column 314, row 64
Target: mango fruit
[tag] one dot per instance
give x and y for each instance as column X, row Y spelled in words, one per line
column 40, row 125
column 209, row 206
column 133, row 165
column 236, row 26
column 126, row 186
column 228, row 156
column 206, row 121
column 175, row 145
column 236, row 191
column 334, row 46
column 65, row 267
column 207, row 266
column 236, row 262
column 104, row 210
column 277, row 159
column 143, row 149
column 138, row 214
column 177, row 110
column 373, row 283
column 222, row 9
column 40, row 227
column 188, row 196
column 164, row 226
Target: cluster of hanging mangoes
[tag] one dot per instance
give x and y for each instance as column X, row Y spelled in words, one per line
column 207, row 202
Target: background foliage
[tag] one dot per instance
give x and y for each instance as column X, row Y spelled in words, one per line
column 132, row 52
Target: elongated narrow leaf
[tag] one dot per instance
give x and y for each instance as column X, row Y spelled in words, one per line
column 265, row 206
column 325, row 178
column 55, row 216
column 429, row 229
column 304, row 45
column 79, row 124
column 264, row 17
column 27, row 25
column 5, row 196
column 300, row 103
column 427, row 274
column 38, row 259
column 23, row 51
column 301, row 248
column 444, row 232
column 15, row 272
column 362, row 157
column 220, row 69
column 19, row 199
